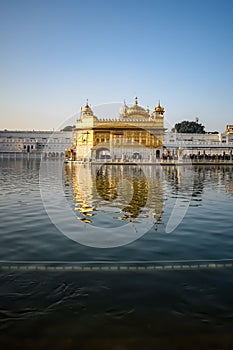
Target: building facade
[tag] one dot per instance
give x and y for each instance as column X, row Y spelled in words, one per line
column 134, row 135
column 35, row 143
column 208, row 145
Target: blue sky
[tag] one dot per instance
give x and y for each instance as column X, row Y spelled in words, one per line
column 55, row 54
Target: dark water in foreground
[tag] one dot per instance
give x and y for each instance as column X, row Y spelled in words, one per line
column 120, row 309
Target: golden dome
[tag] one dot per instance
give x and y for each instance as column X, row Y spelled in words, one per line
column 137, row 111
column 159, row 108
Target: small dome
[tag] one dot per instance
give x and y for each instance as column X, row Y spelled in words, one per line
column 123, row 110
column 87, row 110
column 87, row 113
column 159, row 108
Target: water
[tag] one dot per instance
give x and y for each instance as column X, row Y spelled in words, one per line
column 122, row 309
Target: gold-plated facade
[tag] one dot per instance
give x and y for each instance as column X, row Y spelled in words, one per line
column 134, row 135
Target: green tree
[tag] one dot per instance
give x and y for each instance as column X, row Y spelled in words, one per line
column 190, row 127
column 68, row 128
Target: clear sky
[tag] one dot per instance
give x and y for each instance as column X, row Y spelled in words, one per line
column 55, row 54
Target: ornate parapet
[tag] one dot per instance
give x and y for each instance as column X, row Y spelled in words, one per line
column 119, row 123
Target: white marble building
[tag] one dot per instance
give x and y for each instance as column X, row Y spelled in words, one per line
column 34, row 143
column 199, row 144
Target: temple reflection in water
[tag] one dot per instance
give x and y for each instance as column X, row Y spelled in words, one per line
column 109, row 195
column 116, row 192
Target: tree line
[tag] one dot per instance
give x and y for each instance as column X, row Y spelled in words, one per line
column 190, row 127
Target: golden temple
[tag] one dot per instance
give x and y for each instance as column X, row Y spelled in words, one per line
column 136, row 135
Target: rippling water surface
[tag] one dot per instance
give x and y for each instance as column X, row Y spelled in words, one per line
column 183, row 215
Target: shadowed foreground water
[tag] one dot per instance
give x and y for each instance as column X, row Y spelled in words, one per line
column 123, row 311
column 120, row 309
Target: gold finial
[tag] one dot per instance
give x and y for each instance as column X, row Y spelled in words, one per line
column 136, row 100
column 87, row 102
column 159, row 104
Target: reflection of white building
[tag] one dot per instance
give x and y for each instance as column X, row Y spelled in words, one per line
column 32, row 143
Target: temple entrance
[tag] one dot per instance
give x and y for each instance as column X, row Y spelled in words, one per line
column 103, row 153
column 136, row 155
